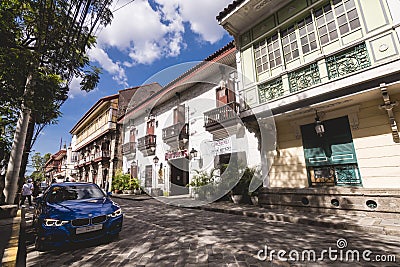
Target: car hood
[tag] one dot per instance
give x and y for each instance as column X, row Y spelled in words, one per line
column 73, row 209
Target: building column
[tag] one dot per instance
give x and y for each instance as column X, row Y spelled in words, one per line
column 111, row 170
column 99, row 181
column 91, row 174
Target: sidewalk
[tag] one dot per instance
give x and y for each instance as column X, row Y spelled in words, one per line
column 12, row 239
column 336, row 221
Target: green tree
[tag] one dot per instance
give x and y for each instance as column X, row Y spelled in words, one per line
column 38, row 162
column 43, row 46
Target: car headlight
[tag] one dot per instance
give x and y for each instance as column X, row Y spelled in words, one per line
column 115, row 213
column 54, row 222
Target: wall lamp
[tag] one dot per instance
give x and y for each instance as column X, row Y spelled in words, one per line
column 193, row 153
column 156, row 160
column 319, row 126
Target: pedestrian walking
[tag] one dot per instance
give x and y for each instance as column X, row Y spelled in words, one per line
column 35, row 192
column 27, row 190
column 3, row 167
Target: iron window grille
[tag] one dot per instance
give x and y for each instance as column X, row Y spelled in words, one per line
column 351, row 60
column 304, row 78
column 270, row 90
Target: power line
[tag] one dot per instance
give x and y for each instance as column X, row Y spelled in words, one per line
column 100, row 28
column 122, row 6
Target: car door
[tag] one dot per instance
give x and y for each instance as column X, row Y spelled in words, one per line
column 39, row 207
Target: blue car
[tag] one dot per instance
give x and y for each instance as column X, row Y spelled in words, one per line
column 69, row 213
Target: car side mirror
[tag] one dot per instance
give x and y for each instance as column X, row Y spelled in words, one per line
column 109, row 194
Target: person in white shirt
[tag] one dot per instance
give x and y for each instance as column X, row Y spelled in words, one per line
column 27, row 190
column 3, row 167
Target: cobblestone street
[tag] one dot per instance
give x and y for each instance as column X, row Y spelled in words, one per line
column 155, row 234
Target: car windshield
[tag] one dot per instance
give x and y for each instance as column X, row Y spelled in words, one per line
column 74, row 192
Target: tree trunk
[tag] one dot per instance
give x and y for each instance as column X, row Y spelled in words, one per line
column 17, row 149
column 25, row 158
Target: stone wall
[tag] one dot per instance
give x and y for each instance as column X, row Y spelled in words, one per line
column 384, row 203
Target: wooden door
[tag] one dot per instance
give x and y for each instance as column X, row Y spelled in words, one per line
column 150, row 127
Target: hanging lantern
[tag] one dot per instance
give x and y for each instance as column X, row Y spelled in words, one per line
column 319, row 126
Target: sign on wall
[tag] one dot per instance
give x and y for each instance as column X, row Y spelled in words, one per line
column 223, row 146
column 176, row 154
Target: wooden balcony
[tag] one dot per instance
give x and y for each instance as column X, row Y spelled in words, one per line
column 175, row 134
column 222, row 117
column 129, row 148
column 147, row 144
column 101, row 155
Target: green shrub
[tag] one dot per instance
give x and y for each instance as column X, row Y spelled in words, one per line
column 123, row 181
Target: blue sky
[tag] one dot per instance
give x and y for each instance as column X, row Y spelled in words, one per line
column 145, row 37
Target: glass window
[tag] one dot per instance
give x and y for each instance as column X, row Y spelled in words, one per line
column 267, row 54
column 347, row 17
column 307, row 34
column 289, row 42
column 260, row 56
column 74, row 192
column 349, row 5
column 326, row 24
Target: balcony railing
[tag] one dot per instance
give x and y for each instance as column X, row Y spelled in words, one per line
column 222, row 114
column 101, row 154
column 176, row 132
column 128, row 148
column 147, row 142
column 351, row 60
column 304, row 78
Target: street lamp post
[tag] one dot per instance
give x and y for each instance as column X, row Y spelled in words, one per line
column 155, row 161
column 65, row 168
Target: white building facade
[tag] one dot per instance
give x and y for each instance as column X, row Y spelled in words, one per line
column 196, row 112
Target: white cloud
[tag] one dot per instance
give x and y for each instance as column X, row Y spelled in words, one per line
column 114, row 68
column 201, row 17
column 75, row 88
column 144, row 33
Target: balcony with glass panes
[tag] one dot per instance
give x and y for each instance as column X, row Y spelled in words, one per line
column 291, row 60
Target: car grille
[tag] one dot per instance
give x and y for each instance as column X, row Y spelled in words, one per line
column 87, row 221
column 99, row 219
column 80, row 222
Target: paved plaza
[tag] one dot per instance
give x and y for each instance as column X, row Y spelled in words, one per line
column 155, row 234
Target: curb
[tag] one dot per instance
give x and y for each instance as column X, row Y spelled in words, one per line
column 12, row 249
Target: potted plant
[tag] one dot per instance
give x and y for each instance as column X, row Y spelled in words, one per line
column 254, row 196
column 136, row 187
column 199, row 184
column 121, row 183
column 131, row 184
column 117, row 184
column 239, row 193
